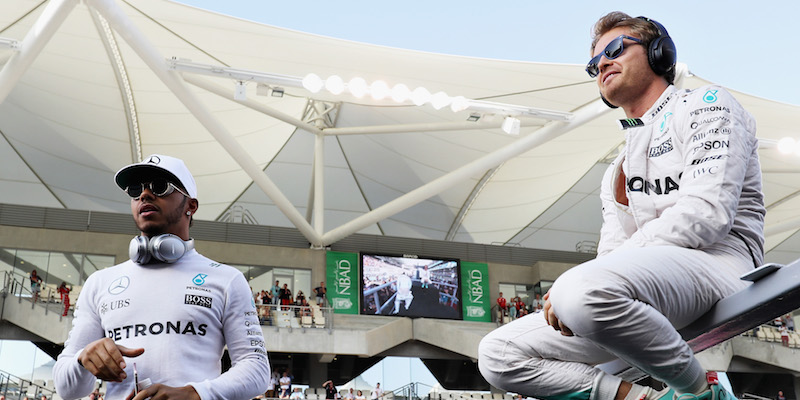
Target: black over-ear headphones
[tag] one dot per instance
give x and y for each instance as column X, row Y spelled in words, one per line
column 661, row 52
column 166, row 248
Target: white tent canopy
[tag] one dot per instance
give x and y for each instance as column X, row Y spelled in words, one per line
column 87, row 87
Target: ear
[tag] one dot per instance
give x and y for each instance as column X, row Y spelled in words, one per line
column 192, row 205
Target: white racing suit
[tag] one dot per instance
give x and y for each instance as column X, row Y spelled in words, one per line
column 404, row 294
column 692, row 226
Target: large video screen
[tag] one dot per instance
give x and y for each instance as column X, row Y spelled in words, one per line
column 410, row 286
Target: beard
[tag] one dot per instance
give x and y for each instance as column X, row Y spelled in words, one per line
column 171, row 218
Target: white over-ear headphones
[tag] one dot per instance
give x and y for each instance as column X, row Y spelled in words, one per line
column 166, row 248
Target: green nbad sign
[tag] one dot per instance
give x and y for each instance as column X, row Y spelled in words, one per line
column 475, row 292
column 342, row 281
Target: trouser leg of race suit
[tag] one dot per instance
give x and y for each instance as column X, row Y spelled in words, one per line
column 627, row 304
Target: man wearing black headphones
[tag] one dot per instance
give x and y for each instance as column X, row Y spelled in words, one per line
column 156, row 325
column 683, row 218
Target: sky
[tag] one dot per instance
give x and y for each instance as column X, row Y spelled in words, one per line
column 745, row 46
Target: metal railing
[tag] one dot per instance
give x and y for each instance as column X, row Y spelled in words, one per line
column 412, row 391
column 14, row 387
column 47, row 299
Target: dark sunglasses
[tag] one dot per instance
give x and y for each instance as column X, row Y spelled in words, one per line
column 612, row 51
column 159, row 187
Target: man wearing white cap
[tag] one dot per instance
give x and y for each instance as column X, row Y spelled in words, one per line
column 156, row 325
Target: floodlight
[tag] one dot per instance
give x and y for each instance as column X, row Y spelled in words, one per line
column 240, row 91
column 379, row 90
column 511, row 126
column 357, row 87
column 334, row 84
column 313, row 83
column 420, row 96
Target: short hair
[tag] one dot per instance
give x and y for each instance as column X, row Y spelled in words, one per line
column 640, row 27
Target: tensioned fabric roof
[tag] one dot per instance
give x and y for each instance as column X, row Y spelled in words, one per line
column 88, row 87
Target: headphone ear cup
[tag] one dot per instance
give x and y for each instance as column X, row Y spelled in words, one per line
column 167, row 248
column 661, row 54
column 138, row 250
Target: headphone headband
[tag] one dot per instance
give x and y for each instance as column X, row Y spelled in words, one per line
column 659, row 28
column 661, row 52
column 166, row 248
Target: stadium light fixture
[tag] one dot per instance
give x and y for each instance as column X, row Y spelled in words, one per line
column 511, row 126
column 359, row 88
column 240, row 91
column 9, row 43
column 788, row 145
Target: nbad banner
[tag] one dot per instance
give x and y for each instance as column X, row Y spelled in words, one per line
column 475, row 292
column 342, row 282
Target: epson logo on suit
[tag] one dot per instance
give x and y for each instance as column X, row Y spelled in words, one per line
column 195, row 300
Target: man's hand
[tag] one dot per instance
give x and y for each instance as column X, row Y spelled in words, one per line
column 550, row 317
column 103, row 358
column 163, row 392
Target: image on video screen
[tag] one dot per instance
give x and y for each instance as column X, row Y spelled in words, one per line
column 410, row 287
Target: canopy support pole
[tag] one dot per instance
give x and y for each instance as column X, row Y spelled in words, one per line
column 157, row 63
column 37, row 37
column 550, row 131
column 319, row 183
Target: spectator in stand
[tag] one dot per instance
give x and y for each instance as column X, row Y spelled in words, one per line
column 501, row 308
column 377, row 393
column 305, row 309
column 286, row 384
column 63, row 290
column 268, row 299
column 350, row 395
column 276, row 292
column 780, row 395
column 300, row 298
column 537, row 302
column 512, row 308
column 270, row 393
column 320, row 292
column 360, row 396
column 784, row 335
column 285, row 296
column 297, row 394
column 36, row 285
column 330, row 390
column 788, row 322
column 275, row 382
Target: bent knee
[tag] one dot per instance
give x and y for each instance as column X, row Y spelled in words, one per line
column 584, row 302
column 499, row 357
